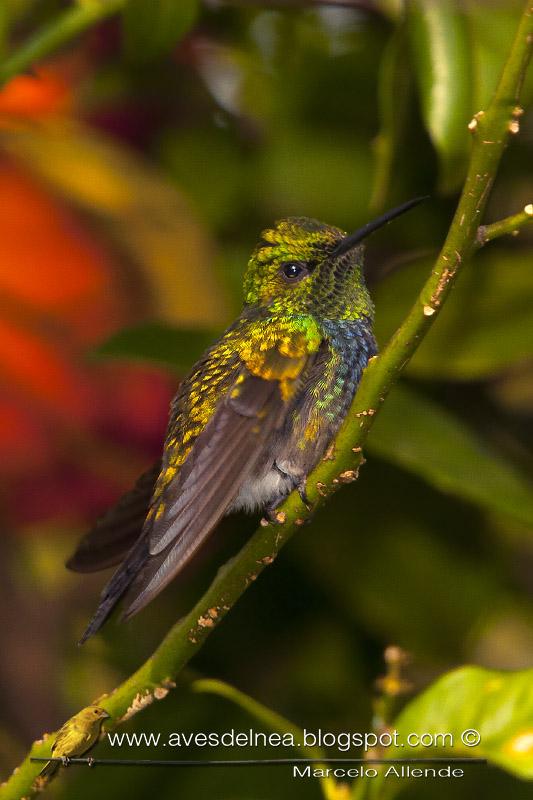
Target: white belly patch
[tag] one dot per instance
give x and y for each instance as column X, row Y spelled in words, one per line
column 257, row 493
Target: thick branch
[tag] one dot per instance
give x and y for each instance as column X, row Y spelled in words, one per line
column 154, row 679
column 490, row 130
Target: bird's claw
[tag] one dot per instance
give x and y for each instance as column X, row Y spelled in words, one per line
column 302, row 491
column 65, row 760
column 90, row 761
column 274, row 516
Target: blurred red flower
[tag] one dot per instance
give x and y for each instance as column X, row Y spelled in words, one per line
column 73, row 431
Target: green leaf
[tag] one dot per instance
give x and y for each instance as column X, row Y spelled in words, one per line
column 394, row 94
column 424, row 438
column 471, row 701
column 490, row 36
column 498, row 705
column 237, row 81
column 162, row 344
column 486, row 327
column 441, row 53
column 152, row 28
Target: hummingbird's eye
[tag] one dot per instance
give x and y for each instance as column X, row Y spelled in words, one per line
column 293, row 271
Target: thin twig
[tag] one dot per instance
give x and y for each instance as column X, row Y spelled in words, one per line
column 272, row 720
column 510, row 225
column 65, row 27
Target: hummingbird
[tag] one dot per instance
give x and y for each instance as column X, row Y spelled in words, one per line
column 254, row 416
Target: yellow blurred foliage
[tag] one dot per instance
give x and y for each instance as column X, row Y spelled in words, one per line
column 148, row 219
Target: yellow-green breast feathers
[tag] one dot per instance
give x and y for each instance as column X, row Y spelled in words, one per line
column 76, row 737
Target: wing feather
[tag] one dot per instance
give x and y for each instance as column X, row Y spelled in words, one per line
column 227, row 451
column 187, row 506
column 222, row 454
column 118, row 529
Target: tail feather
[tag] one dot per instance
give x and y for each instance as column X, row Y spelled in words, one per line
column 117, row 586
column 117, row 531
column 49, row 769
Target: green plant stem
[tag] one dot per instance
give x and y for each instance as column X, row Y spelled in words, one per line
column 271, row 720
column 490, row 136
column 509, row 225
column 156, row 676
column 65, row 27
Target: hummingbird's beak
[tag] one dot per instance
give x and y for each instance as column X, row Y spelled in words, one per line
column 354, row 238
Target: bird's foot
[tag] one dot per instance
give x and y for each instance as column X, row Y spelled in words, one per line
column 65, row 760
column 302, row 491
column 90, row 761
column 273, row 515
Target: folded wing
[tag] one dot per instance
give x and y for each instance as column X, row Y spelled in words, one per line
column 118, row 529
column 187, row 506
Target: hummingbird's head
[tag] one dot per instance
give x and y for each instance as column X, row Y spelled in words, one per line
column 302, row 266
